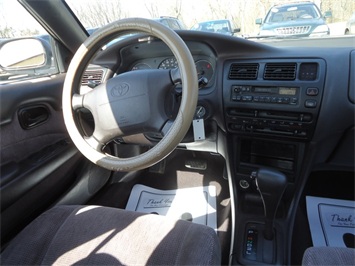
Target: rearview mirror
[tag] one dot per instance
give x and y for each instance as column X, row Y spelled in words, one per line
column 22, row 54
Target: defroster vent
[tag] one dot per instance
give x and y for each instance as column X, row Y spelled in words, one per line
column 243, row 71
column 280, row 71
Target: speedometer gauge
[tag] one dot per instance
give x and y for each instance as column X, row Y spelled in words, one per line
column 204, row 69
column 140, row 66
column 168, row 63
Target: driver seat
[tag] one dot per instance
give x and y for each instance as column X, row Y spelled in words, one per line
column 95, row 235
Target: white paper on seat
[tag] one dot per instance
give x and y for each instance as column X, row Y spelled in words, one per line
column 199, row 203
column 330, row 220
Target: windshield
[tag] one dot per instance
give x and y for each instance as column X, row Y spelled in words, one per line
column 306, row 23
column 320, row 18
column 253, row 19
column 331, row 15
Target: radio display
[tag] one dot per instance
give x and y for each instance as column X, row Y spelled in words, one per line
column 287, row 91
column 264, row 89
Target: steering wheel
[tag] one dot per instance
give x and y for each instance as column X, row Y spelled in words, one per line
column 132, row 102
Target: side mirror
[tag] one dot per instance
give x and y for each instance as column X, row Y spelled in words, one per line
column 259, row 21
column 24, row 54
column 328, row 14
column 236, row 30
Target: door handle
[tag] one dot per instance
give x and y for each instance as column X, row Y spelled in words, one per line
column 30, row 117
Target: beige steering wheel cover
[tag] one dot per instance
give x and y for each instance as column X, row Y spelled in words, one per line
column 188, row 103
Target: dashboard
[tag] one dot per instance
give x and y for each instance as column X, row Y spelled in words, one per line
column 285, row 96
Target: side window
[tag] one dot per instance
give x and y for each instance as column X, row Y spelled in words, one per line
column 25, row 47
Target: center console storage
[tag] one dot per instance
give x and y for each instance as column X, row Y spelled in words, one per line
column 276, row 154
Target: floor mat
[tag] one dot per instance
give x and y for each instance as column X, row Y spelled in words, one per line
column 331, row 221
column 197, row 204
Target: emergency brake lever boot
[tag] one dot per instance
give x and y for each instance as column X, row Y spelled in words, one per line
column 271, row 185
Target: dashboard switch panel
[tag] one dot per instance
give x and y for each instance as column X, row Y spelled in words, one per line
column 276, row 108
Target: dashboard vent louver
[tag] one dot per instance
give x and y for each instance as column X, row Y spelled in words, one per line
column 243, row 71
column 94, row 75
column 280, row 71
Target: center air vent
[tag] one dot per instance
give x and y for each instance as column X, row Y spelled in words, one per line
column 243, row 71
column 94, row 75
column 280, row 71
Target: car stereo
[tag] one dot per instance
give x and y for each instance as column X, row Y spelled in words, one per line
column 265, row 94
column 259, row 103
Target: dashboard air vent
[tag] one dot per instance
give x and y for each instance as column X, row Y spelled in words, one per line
column 94, row 75
column 280, row 71
column 243, row 71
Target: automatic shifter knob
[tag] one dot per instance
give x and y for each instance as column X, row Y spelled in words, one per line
column 271, row 185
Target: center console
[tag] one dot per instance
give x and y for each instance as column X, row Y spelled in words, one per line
column 274, row 99
column 271, row 107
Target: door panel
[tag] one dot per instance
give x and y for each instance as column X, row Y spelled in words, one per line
column 18, row 143
column 33, row 191
column 38, row 161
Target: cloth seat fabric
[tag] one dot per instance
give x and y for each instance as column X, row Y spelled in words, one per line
column 328, row 256
column 94, row 235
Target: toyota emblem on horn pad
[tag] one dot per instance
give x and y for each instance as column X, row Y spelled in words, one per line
column 120, row 90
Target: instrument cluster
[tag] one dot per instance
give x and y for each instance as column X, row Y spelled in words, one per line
column 205, row 69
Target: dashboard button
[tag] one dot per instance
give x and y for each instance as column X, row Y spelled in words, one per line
column 236, row 89
column 286, row 100
column 310, row 103
column 247, row 98
column 312, row 91
column 294, row 100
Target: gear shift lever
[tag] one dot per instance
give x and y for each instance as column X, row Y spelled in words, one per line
column 271, row 185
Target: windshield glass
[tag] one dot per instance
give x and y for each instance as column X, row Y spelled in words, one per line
column 250, row 19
